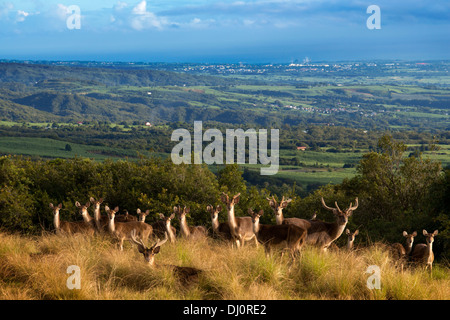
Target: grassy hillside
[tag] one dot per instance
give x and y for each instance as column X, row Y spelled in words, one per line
column 36, row 268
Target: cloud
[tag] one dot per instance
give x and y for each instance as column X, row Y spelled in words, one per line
column 137, row 18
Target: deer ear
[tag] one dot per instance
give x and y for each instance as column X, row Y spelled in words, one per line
column 209, row 208
column 219, row 208
column 51, row 205
column 100, row 200
column 187, row 210
column 172, row 216
column 138, row 211
column 175, row 209
column 347, row 231
column 116, row 209
column 261, row 212
column 405, row 234
column 156, row 250
column 250, row 211
column 107, row 209
column 87, row 204
column 236, row 198
column 424, row 232
column 77, row 204
column 435, row 233
column 60, row 205
column 414, row 234
column 141, row 249
column 356, row 232
column 161, row 216
column 91, row 199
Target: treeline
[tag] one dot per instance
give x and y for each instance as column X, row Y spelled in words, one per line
column 395, row 193
column 133, row 135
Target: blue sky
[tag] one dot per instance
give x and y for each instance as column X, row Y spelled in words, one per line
column 261, row 31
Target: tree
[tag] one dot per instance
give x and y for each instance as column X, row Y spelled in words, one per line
column 68, row 147
column 395, row 188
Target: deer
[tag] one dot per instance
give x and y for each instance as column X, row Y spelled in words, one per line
column 399, row 251
column 323, row 234
column 122, row 230
column 286, row 236
column 241, row 228
column 68, row 227
column 189, row 232
column 101, row 222
column 220, row 229
column 423, row 253
column 186, row 275
column 351, row 238
column 278, row 208
column 163, row 225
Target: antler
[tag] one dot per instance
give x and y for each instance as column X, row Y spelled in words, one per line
column 160, row 242
column 138, row 241
column 356, row 205
column 325, row 206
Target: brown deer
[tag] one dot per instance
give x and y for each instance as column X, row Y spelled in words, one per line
column 401, row 252
column 241, row 228
column 285, row 236
column 67, row 227
column 423, row 253
column 221, row 230
column 278, row 208
column 323, row 234
column 122, row 230
column 163, row 225
column 351, row 238
column 186, row 275
column 101, row 221
column 190, row 232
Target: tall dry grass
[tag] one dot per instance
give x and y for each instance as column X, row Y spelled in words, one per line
column 35, row 268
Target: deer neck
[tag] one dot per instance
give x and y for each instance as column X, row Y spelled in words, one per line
column 56, row 221
column 231, row 218
column 215, row 222
column 349, row 244
column 429, row 248
column 338, row 229
column 170, row 232
column 408, row 248
column 256, row 226
column 184, row 227
column 279, row 216
column 86, row 216
column 112, row 225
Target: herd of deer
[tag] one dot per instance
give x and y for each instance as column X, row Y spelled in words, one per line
column 287, row 234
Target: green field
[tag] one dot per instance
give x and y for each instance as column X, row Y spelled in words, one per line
column 50, row 148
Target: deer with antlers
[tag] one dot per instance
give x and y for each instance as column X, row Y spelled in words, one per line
column 190, row 232
column 241, row 228
column 220, row 229
column 69, row 227
column 423, row 253
column 321, row 233
column 122, row 230
column 284, row 236
column 186, row 275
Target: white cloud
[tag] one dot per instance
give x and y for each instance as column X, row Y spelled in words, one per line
column 138, row 17
column 22, row 15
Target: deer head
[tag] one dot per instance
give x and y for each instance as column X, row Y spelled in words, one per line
column 230, row 203
column 341, row 215
column 148, row 252
column 429, row 236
